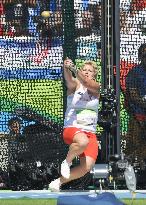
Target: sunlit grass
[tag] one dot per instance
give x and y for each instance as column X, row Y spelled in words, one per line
column 27, row 201
column 135, row 202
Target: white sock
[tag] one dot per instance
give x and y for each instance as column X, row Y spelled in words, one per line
column 68, row 162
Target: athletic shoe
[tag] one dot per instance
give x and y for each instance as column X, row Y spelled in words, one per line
column 55, row 185
column 65, row 169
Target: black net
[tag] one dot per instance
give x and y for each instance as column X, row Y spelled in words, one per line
column 35, row 37
column 31, row 92
column 133, row 109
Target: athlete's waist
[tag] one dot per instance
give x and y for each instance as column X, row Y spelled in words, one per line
column 83, row 128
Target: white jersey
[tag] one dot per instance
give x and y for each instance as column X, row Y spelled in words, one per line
column 82, row 110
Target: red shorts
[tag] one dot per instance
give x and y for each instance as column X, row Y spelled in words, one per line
column 92, row 147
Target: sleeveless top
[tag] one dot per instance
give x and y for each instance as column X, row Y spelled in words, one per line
column 82, row 110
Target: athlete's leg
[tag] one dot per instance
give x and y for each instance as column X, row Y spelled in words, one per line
column 80, row 142
column 86, row 164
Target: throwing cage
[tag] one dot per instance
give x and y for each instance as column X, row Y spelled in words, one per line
column 33, row 93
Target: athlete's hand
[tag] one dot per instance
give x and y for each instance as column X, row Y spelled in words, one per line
column 68, row 64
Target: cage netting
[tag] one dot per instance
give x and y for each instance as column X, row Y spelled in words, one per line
column 33, row 46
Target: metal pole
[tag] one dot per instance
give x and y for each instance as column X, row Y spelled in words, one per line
column 103, row 43
column 117, row 64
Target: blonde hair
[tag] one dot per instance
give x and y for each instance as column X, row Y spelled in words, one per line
column 93, row 64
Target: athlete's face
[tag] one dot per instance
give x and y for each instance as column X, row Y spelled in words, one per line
column 89, row 71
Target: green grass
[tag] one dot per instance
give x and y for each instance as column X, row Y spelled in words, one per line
column 27, row 201
column 135, row 202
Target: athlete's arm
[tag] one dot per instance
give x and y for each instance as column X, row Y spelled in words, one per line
column 92, row 86
column 71, row 82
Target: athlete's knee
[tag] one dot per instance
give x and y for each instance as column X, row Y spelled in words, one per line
column 87, row 168
column 82, row 140
column 83, row 143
